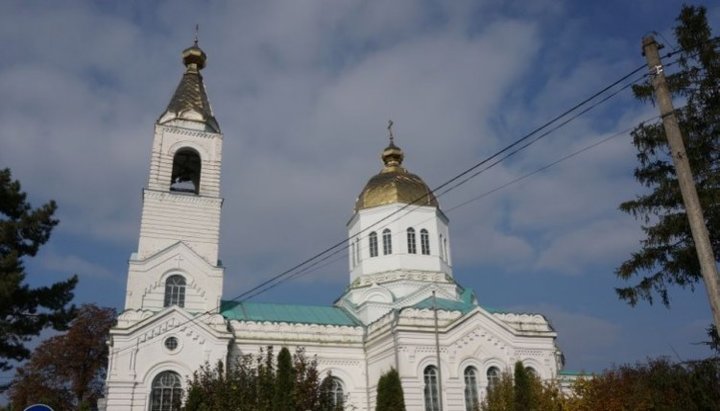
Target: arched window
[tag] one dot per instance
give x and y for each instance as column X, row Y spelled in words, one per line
column 175, row 291
column 472, row 401
column 493, row 376
column 440, row 241
column 186, row 171
column 387, row 242
column 412, row 249
column 424, row 242
column 166, row 392
column 432, row 402
column 445, row 247
column 352, row 251
column 373, row 244
column 531, row 371
column 337, row 393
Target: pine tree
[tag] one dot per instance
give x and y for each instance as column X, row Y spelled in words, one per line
column 307, row 382
column 266, row 380
column 326, row 400
column 390, row 393
column 284, row 379
column 25, row 311
column 522, row 398
column 667, row 256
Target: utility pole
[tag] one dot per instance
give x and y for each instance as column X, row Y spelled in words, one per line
column 685, row 178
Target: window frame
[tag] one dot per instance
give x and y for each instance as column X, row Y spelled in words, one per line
column 424, row 242
column 162, row 386
column 472, row 397
column 373, row 244
column 493, row 377
column 411, row 241
column 175, row 293
column 387, row 241
column 337, row 392
column 431, row 391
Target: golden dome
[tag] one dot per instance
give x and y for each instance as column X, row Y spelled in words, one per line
column 394, row 184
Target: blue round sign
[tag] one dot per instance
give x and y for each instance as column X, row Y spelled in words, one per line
column 38, row 407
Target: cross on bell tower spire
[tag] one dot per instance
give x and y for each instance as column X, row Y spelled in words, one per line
column 390, row 132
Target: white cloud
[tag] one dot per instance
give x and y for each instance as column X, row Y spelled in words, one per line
column 72, row 264
column 583, row 338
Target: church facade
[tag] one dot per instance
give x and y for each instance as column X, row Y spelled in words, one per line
column 402, row 308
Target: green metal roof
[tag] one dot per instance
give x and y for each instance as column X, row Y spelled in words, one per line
column 465, row 305
column 287, row 313
column 443, row 304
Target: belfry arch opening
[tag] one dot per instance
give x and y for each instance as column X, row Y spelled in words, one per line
column 185, row 176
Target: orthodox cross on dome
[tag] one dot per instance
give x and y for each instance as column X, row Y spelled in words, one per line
column 197, row 30
column 390, row 133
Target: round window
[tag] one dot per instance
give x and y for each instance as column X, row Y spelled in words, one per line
column 171, row 343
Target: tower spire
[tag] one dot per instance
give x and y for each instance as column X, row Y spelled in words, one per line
column 392, row 156
column 190, row 101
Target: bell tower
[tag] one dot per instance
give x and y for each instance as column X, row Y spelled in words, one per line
column 177, row 258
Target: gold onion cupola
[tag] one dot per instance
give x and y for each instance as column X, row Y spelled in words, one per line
column 190, row 101
column 394, row 184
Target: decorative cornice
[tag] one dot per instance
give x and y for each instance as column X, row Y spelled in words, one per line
column 525, row 322
column 338, row 363
column 182, row 198
column 130, row 317
column 189, row 132
column 368, row 280
column 426, row 317
column 289, row 331
column 532, row 353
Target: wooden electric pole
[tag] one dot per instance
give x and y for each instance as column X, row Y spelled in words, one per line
column 685, row 178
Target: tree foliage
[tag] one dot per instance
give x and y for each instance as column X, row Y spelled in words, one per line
column 67, row 371
column 253, row 383
column 284, row 382
column 656, row 385
column 390, row 393
column 25, row 311
column 523, row 391
column 667, row 256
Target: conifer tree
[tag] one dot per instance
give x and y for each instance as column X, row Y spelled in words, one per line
column 522, row 398
column 667, row 256
column 266, row 379
column 25, row 311
column 284, row 381
column 326, row 401
column 390, row 393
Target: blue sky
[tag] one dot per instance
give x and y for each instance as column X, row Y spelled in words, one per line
column 303, row 91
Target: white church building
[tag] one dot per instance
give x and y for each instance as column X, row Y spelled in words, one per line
column 402, row 302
